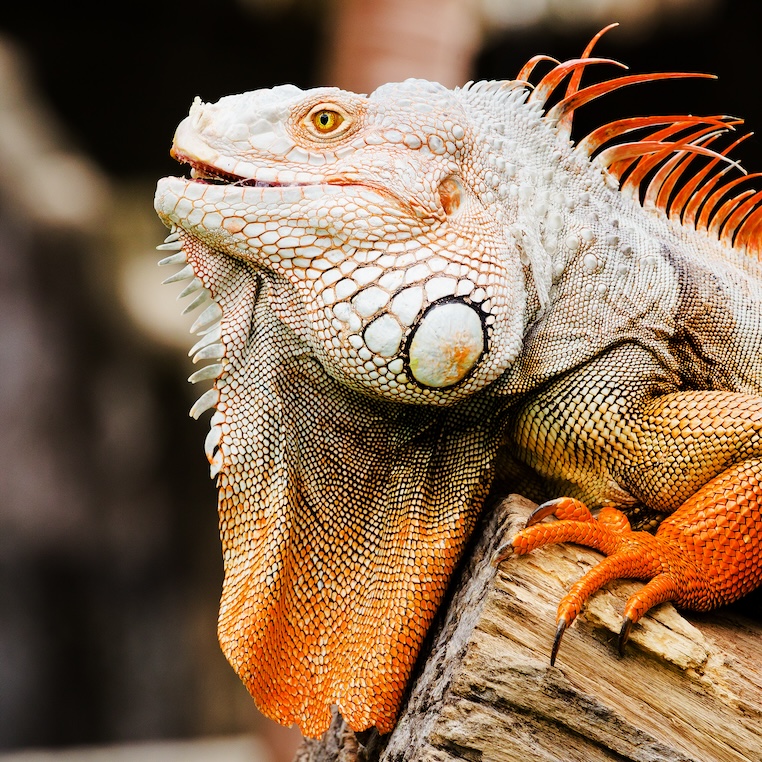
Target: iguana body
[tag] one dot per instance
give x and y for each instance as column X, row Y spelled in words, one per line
column 425, row 295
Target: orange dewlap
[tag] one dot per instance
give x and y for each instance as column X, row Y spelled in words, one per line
column 321, row 625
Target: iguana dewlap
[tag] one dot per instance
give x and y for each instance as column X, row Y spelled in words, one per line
column 426, row 295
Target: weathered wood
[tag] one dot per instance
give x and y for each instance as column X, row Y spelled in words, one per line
column 688, row 688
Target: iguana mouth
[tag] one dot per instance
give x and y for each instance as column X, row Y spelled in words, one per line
column 204, row 173
column 200, row 172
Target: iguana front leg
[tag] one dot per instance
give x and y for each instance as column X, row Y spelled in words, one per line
column 708, row 552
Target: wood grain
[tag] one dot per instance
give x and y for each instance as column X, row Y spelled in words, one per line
column 688, row 688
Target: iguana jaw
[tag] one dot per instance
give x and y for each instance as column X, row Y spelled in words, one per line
column 205, row 173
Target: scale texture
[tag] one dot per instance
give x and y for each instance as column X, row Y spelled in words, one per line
column 415, row 301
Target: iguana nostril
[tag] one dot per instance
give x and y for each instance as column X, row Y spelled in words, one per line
column 446, row 344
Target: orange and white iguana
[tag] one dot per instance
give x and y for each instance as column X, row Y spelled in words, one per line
column 424, row 297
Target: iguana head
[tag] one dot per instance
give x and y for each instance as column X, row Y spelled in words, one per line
column 377, row 221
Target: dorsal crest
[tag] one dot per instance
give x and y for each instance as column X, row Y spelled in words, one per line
column 669, row 162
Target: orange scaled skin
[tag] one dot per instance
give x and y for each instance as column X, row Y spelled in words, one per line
column 617, row 432
column 706, row 554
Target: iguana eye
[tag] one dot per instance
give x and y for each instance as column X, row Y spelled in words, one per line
column 324, row 120
column 327, row 121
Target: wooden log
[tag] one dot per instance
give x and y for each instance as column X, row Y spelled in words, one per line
column 688, row 689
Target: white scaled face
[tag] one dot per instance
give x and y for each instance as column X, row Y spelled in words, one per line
column 366, row 215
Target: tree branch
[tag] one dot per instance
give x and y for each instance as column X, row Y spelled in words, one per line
column 688, row 688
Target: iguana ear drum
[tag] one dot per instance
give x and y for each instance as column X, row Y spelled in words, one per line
column 446, row 344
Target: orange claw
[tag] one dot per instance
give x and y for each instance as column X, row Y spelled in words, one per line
column 629, row 555
column 706, row 554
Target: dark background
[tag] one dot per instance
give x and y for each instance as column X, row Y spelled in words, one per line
column 122, row 84
column 110, row 567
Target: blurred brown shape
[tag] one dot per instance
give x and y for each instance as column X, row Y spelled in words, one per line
column 376, row 42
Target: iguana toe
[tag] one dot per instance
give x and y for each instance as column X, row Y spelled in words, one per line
column 629, row 555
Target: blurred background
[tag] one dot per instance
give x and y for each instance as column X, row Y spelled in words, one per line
column 110, row 567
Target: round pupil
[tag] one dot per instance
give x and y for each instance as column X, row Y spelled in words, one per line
column 325, row 119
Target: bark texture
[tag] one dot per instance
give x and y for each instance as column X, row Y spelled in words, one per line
column 689, row 689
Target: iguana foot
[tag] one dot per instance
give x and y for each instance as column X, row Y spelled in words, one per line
column 707, row 553
column 629, row 554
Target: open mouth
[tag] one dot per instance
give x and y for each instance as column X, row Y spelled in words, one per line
column 202, row 173
column 209, row 175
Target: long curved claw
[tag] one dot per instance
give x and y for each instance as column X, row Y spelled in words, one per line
column 560, row 630
column 564, row 508
column 624, row 634
column 548, row 508
column 503, row 552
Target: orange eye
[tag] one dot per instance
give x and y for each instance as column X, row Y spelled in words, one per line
column 326, row 120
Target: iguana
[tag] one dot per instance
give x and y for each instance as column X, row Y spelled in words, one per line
column 426, row 298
